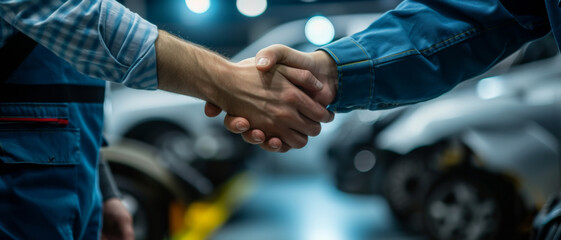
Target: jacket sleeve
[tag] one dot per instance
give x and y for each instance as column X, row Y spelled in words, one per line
column 423, row 48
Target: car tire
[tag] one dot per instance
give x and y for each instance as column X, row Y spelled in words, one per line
column 472, row 205
column 147, row 203
column 172, row 142
column 547, row 223
column 405, row 186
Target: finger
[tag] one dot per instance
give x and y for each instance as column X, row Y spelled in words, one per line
column 304, row 79
column 266, row 58
column 273, row 144
column 284, row 148
column 254, row 136
column 289, row 137
column 331, row 116
column 236, row 124
column 305, row 126
column 315, row 111
column 212, row 110
column 306, row 106
column 293, row 138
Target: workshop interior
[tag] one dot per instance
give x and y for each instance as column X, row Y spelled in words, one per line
column 480, row 162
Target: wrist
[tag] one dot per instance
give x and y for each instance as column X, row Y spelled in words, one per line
column 328, row 68
column 217, row 88
column 327, row 72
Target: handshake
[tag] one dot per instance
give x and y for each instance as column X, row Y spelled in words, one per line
column 287, row 102
column 276, row 99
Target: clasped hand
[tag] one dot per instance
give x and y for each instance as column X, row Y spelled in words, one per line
column 295, row 88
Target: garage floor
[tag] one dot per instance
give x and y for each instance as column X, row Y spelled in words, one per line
column 308, row 207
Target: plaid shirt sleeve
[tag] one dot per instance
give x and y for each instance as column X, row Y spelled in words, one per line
column 100, row 38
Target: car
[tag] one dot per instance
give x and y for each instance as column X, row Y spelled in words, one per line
column 165, row 153
column 475, row 163
column 183, row 151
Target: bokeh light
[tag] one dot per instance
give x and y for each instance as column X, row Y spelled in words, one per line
column 319, row 30
column 491, row 87
column 251, row 8
column 198, row 6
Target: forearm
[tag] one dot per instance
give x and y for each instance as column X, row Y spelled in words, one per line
column 189, row 69
column 268, row 100
column 423, row 49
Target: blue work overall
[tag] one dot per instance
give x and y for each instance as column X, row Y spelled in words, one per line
column 51, row 120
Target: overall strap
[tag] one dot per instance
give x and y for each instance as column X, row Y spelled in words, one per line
column 13, row 53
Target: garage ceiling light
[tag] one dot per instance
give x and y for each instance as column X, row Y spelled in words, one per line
column 319, row 30
column 198, row 6
column 251, row 8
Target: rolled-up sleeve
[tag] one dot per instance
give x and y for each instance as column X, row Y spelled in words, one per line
column 424, row 48
column 100, row 38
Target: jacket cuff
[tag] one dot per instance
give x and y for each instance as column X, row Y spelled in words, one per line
column 356, row 75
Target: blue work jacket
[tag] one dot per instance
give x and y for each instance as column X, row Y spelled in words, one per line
column 50, row 133
column 423, row 48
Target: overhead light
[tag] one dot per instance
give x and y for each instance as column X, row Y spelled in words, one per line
column 319, row 30
column 251, row 8
column 198, row 6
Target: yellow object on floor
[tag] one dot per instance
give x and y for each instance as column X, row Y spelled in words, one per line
column 203, row 217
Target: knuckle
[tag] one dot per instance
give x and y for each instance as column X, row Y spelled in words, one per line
column 267, row 124
column 308, row 77
column 270, row 49
column 276, row 45
column 304, row 74
column 291, row 96
column 284, row 114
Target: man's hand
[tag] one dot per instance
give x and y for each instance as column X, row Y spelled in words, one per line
column 267, row 99
column 319, row 63
column 282, row 109
column 117, row 222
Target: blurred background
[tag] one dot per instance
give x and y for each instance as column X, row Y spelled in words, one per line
column 475, row 163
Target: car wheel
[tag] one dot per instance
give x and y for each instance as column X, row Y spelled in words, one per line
column 174, row 145
column 471, row 205
column 171, row 141
column 547, row 224
column 406, row 184
column 147, row 204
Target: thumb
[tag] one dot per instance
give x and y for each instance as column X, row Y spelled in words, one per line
column 267, row 57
